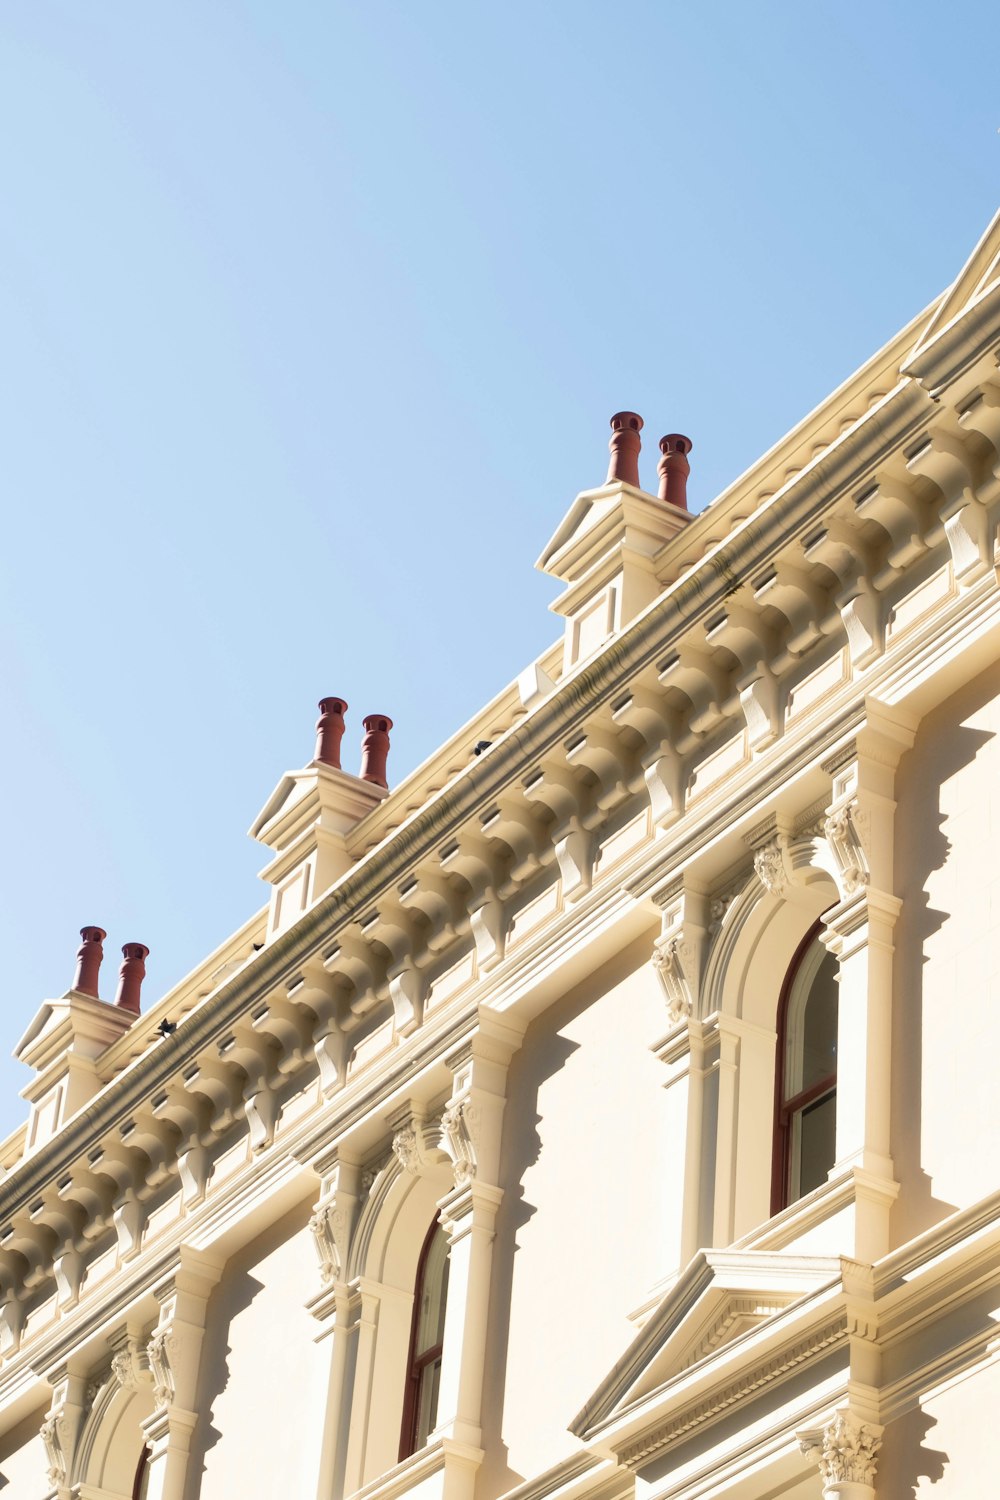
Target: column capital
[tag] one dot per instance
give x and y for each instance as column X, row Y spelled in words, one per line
column 846, row 1451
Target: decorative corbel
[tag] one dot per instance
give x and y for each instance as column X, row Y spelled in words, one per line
column 322, row 999
column 391, row 928
column 12, row 1321
column 470, row 858
column 839, row 547
column 352, row 962
column 249, row 1052
column 513, row 827
column 943, row 459
column 559, row 790
column 189, row 1113
column 67, row 1261
column 432, row 899
column 604, row 754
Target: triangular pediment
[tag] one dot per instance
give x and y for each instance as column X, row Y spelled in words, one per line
column 603, row 520
column 980, row 273
column 721, row 1298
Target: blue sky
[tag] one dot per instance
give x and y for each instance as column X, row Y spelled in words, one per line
column 312, row 317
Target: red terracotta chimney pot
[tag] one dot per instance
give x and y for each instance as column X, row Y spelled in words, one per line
column 130, row 976
column 330, row 731
column 89, row 957
column 375, row 748
column 674, row 469
column 624, row 445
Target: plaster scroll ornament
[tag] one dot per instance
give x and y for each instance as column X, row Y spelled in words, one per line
column 459, row 1129
column 672, row 960
column 847, row 1451
column 769, row 866
column 54, row 1435
column 845, row 831
column 329, row 1230
column 123, row 1369
column 160, row 1350
column 404, row 1143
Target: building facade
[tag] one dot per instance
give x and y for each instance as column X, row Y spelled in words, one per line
column 593, row 1115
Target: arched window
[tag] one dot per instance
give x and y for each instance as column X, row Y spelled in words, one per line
column 426, row 1342
column 806, row 1075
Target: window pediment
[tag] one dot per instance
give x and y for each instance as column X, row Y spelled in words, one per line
column 728, row 1310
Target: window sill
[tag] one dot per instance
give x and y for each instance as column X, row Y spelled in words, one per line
column 424, row 1471
column 823, row 1222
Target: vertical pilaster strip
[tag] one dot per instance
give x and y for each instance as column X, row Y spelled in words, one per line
column 174, row 1354
column 471, row 1133
column 859, row 930
column 337, row 1308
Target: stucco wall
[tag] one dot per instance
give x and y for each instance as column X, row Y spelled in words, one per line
column 591, row 1173
column 23, row 1464
column 938, row 1449
column 946, row 1018
column 264, row 1381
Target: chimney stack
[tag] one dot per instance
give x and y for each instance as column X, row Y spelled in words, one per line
column 130, row 976
column 624, row 446
column 89, row 957
column 330, row 731
column 674, row 469
column 375, row 748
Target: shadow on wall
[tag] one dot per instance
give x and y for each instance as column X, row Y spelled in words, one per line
column 544, row 1054
column 19, row 1437
column 232, row 1296
column 522, row 1147
column 905, row 1459
column 944, row 747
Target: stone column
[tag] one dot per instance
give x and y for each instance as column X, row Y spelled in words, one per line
column 174, row 1354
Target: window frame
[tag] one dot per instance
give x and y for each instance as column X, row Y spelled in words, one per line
column 785, row 1110
column 416, row 1364
column 141, row 1472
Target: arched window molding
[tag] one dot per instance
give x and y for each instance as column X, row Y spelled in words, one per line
column 382, row 1272
column 112, row 1440
column 761, row 930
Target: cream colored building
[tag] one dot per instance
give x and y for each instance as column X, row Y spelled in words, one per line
column 609, row 1113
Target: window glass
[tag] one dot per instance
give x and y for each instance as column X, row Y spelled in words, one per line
column 426, row 1343
column 434, row 1290
column 811, row 1021
column 805, row 1127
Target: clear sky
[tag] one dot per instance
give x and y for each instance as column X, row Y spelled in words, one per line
column 312, row 316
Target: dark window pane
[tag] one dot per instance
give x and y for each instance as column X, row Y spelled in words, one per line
column 427, row 1401
column 813, row 1144
column 819, row 1029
